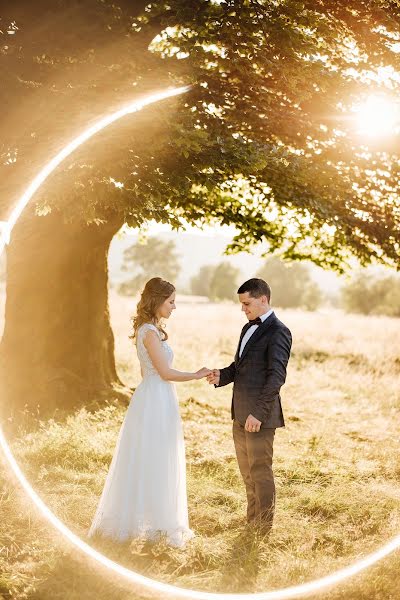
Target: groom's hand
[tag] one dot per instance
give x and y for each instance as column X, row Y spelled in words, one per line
column 252, row 424
column 213, row 377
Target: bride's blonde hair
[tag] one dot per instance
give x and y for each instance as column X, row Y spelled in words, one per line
column 154, row 294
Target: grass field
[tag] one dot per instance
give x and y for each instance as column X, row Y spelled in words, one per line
column 336, row 465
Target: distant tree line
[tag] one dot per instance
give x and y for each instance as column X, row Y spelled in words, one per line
column 370, row 294
column 147, row 258
column 291, row 282
column 217, row 282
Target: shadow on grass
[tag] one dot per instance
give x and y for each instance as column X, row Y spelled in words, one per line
column 242, row 565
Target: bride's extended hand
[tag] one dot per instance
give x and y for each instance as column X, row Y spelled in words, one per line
column 203, row 372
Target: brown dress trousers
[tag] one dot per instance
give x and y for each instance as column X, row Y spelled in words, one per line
column 254, row 452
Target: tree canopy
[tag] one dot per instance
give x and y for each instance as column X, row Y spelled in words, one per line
column 264, row 140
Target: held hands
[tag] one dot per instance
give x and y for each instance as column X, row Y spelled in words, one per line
column 203, row 372
column 252, row 424
column 213, row 377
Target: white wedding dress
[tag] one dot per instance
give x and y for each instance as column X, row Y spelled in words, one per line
column 144, row 495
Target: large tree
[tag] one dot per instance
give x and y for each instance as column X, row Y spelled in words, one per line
column 263, row 140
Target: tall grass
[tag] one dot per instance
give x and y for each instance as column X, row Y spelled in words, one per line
column 336, row 467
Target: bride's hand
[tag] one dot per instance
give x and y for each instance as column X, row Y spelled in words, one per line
column 203, row 372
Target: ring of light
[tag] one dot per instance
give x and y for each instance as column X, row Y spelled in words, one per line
column 289, row 592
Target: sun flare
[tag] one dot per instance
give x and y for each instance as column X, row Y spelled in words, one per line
column 377, row 116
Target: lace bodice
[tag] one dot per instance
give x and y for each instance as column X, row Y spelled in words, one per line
column 144, row 358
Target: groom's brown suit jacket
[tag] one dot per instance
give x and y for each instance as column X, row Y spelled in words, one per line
column 259, row 374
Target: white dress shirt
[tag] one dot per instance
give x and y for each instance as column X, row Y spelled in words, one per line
column 251, row 330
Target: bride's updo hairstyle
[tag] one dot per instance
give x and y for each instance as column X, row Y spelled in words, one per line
column 155, row 293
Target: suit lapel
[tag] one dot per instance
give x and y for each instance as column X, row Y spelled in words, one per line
column 240, row 342
column 258, row 333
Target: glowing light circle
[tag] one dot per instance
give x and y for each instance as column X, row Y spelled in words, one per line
column 281, row 594
column 377, row 116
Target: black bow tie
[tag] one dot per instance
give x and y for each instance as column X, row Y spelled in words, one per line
column 257, row 321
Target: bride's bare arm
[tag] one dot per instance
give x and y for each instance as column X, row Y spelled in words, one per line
column 153, row 346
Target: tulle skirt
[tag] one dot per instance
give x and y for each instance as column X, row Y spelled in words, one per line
column 144, row 495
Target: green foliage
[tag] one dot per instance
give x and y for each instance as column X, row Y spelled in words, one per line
column 291, row 284
column 216, row 282
column 151, row 258
column 263, row 140
column 373, row 294
column 223, row 284
column 200, row 283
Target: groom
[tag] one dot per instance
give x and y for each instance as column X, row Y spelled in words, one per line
column 258, row 372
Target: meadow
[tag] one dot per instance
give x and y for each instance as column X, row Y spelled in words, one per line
column 336, row 466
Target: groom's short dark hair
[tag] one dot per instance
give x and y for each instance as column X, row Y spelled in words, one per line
column 256, row 288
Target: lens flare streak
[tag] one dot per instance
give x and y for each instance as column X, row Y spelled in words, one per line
column 6, row 226
column 281, row 594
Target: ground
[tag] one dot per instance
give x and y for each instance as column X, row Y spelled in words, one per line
column 336, row 467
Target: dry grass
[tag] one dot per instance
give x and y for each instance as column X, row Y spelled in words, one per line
column 336, row 465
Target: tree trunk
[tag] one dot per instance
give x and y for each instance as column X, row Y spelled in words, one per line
column 57, row 351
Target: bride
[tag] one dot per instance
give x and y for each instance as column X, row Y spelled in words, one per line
column 144, row 494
